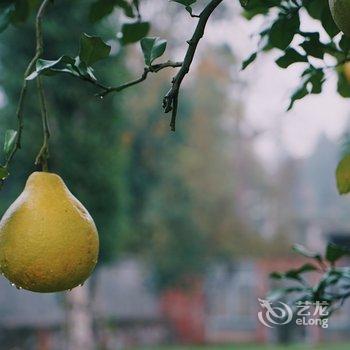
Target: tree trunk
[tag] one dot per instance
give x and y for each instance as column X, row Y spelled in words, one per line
column 79, row 320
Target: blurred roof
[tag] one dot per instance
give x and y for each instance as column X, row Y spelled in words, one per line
column 121, row 296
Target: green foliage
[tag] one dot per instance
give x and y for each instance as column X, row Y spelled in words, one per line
column 92, row 50
column 332, row 286
column 284, row 18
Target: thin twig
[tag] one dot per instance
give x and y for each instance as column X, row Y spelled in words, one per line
column 43, row 155
column 170, row 101
column 148, row 69
column 38, row 53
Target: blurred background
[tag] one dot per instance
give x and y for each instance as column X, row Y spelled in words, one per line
column 191, row 223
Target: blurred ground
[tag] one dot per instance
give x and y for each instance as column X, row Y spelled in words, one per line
column 255, row 347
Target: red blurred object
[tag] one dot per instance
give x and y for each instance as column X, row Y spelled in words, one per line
column 184, row 310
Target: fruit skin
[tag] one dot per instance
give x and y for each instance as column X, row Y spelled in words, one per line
column 48, row 240
column 340, row 10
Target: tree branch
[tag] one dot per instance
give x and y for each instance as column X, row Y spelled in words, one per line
column 43, row 155
column 30, row 67
column 170, row 101
column 148, row 69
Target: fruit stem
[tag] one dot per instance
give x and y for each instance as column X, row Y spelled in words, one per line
column 43, row 155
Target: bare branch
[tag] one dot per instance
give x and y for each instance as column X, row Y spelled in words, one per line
column 149, row 69
column 170, row 101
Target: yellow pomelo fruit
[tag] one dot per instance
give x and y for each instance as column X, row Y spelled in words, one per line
column 48, row 240
column 340, row 10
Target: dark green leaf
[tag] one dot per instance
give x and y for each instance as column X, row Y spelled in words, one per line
column 335, row 252
column 300, row 93
column 152, row 48
column 3, row 173
column 328, row 23
column 249, row 60
column 93, row 49
column 185, row 2
column 291, row 56
column 344, row 43
column 343, row 86
column 313, row 47
column 283, row 30
column 133, row 32
column 103, row 8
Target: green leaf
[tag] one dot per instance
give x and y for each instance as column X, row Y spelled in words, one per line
column 335, row 252
column 313, row 47
column 152, row 48
column 343, row 86
column 291, row 56
column 328, row 23
column 93, row 49
column 249, row 60
column 295, row 273
column 133, row 32
column 300, row 93
column 344, row 43
column 102, row 8
column 185, row 2
column 3, row 173
column 283, row 30
column 343, row 175
column 10, row 140
column 64, row 64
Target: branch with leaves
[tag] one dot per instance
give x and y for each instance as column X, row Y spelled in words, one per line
column 93, row 49
column 332, row 287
